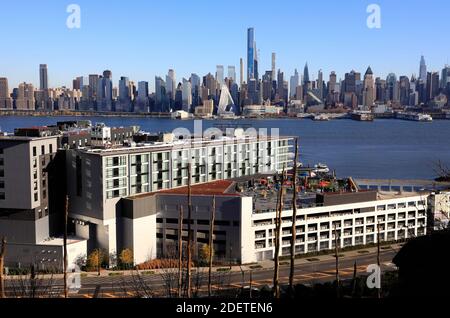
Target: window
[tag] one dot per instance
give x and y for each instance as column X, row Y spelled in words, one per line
column 2, row 184
column 40, row 214
column 51, row 148
column 2, row 173
column 2, row 195
column 43, row 150
column 1, row 162
column 35, row 197
column 34, row 151
column 79, row 184
column 1, row 151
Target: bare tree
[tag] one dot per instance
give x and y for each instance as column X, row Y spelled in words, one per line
column 336, row 251
column 66, row 213
column 294, row 219
column 442, row 171
column 2, row 260
column 276, row 273
column 378, row 255
column 189, row 243
column 34, row 285
column 211, row 243
column 180, row 251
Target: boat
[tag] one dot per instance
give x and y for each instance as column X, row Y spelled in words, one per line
column 414, row 116
column 321, row 117
column 362, row 116
column 321, row 168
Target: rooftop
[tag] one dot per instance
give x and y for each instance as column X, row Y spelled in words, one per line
column 219, row 187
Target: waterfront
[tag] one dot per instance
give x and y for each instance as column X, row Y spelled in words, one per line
column 385, row 148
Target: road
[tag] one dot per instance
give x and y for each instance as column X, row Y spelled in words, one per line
column 154, row 285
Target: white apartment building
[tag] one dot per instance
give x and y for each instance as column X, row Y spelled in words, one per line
column 97, row 179
column 245, row 234
column 390, row 215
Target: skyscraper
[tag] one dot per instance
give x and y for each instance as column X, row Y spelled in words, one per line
column 124, row 94
column 423, row 70
column 107, row 74
column 142, row 102
column 392, row 93
column 368, row 88
column 171, row 84
column 219, row 74
column 241, row 71
column 93, row 79
column 5, row 99
column 293, row 85
column 160, row 95
column 43, row 78
column 445, row 77
column 104, row 94
column 231, row 73
column 320, row 85
column 25, row 99
column 273, row 64
column 250, row 54
column 306, row 75
column 186, row 95
column 404, row 87
column 432, row 85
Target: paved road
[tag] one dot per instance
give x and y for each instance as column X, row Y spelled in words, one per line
column 156, row 284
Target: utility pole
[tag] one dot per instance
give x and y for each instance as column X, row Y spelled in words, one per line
column 276, row 273
column 211, row 243
column 378, row 257
column 189, row 247
column 336, row 250
column 2, row 260
column 294, row 219
column 250, row 295
column 66, row 216
column 180, row 251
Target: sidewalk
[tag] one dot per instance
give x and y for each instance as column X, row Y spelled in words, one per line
column 262, row 265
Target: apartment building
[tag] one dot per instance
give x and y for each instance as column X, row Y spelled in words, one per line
column 28, row 218
column 97, row 179
column 244, row 228
column 357, row 219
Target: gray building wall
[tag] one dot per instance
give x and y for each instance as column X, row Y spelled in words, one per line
column 88, row 202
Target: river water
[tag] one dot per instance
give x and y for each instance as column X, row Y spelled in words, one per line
column 385, row 148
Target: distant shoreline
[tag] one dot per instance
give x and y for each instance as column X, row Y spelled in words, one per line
column 66, row 113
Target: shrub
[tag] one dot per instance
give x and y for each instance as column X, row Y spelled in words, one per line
column 161, row 263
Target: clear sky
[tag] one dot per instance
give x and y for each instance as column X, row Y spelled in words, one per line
column 144, row 38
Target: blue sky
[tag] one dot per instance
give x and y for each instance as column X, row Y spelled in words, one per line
column 141, row 39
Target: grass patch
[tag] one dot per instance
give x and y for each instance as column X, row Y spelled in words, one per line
column 223, row 269
column 285, row 263
column 255, row 266
column 83, row 275
column 339, row 255
column 147, row 273
column 115, row 274
column 363, row 252
column 313, row 259
column 386, row 247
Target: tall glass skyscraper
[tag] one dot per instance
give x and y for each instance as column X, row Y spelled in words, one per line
column 250, row 54
column 43, row 78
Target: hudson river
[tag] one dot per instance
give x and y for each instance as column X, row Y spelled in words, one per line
column 381, row 149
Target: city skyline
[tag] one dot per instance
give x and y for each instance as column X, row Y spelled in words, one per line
column 188, row 49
